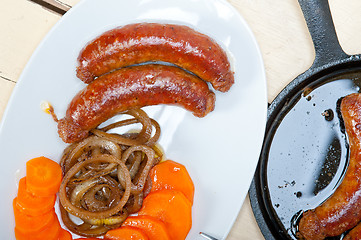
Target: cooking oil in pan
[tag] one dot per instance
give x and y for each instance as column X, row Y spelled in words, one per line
column 308, row 155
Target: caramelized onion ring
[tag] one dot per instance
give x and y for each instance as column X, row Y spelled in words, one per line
column 143, row 136
column 105, row 175
column 79, row 149
column 134, row 203
column 85, row 229
column 81, row 213
column 137, row 188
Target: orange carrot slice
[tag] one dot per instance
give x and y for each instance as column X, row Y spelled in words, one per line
column 43, row 176
column 30, row 204
column 30, row 224
column 51, row 232
column 64, row 235
column 152, row 227
column 172, row 175
column 172, row 208
column 126, row 233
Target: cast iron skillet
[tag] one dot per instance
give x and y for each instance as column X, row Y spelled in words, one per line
column 305, row 151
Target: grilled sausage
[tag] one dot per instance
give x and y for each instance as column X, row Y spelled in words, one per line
column 132, row 87
column 342, row 210
column 354, row 234
column 143, row 42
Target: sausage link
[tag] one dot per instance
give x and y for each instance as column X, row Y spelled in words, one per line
column 131, row 87
column 144, row 42
column 354, row 234
column 341, row 211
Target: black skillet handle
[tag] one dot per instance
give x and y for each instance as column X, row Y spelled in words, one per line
column 320, row 25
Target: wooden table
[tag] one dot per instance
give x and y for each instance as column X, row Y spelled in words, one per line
column 279, row 28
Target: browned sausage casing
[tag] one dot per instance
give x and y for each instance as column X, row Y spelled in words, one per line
column 132, row 87
column 143, row 42
column 342, row 210
column 354, row 234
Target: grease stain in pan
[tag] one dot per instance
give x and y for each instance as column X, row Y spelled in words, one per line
column 308, row 155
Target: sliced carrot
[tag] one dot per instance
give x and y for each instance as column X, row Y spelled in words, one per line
column 172, row 175
column 64, row 235
column 172, row 208
column 126, row 233
column 152, row 227
column 30, row 224
column 51, row 232
column 43, row 176
column 31, row 204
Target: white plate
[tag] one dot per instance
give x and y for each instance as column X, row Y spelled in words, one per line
column 220, row 151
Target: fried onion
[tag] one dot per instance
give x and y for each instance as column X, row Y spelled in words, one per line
column 106, row 175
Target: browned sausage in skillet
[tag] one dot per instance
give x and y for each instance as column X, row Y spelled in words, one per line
column 133, row 87
column 143, row 42
column 341, row 211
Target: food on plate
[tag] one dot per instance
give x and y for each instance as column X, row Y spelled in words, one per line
column 51, row 232
column 341, row 211
column 35, row 216
column 152, row 227
column 133, row 87
column 105, row 175
column 172, row 208
column 32, row 204
column 43, row 176
column 166, row 211
column 126, row 233
column 107, row 178
column 64, row 235
column 172, row 175
column 354, row 234
column 146, row 42
column 31, row 223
